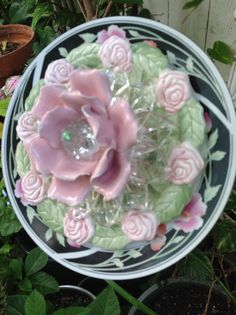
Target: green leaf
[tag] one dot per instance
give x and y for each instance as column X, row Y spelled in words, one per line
column 22, row 160
column 148, row 61
column 42, row 10
column 63, row 52
column 44, row 283
column 19, row 12
column 171, row 57
column 48, row 234
column 35, row 260
column 213, row 139
column 106, row 303
column 35, row 304
column 217, row 156
column 192, row 125
column 134, row 33
column 5, row 249
column 25, row 285
column 85, row 55
column 145, row 13
column 88, row 37
column 9, row 223
column 189, row 64
column 30, row 214
column 16, row 267
column 134, row 253
column 16, row 305
column 192, row 269
column 34, row 93
column 4, row 105
column 110, row 238
column 52, row 213
column 171, row 203
column 221, row 52
column 210, row 193
column 73, row 310
column 225, row 236
column 192, row 4
column 61, row 239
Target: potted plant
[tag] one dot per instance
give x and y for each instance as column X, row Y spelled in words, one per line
column 15, row 49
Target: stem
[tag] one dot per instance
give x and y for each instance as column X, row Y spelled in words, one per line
column 131, row 299
column 224, row 288
column 108, row 9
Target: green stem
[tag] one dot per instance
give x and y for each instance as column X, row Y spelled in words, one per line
column 131, row 299
column 224, row 288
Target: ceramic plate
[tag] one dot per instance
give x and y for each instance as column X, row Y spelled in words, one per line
column 210, row 90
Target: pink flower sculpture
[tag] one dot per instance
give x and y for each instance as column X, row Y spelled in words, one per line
column 111, row 31
column 78, row 227
column 58, row 72
column 139, row 225
column 27, row 126
column 115, row 53
column 190, row 218
column 208, row 121
column 31, row 189
column 184, row 164
column 83, row 139
column 173, row 90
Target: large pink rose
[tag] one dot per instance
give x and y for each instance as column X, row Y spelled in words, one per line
column 173, row 90
column 78, row 227
column 84, row 138
column 184, row 164
column 115, row 53
column 139, row 225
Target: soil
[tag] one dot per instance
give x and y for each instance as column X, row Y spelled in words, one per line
column 68, row 297
column 189, row 301
column 9, row 48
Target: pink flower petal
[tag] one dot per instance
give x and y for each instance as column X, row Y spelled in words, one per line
column 49, row 98
column 54, row 122
column 125, row 122
column 70, row 193
column 54, row 161
column 196, row 207
column 102, row 36
column 208, row 121
column 111, row 174
column 115, row 30
column 189, row 224
column 91, row 83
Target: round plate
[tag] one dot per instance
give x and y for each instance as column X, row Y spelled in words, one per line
column 216, row 185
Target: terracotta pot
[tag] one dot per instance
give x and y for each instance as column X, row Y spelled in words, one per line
column 13, row 62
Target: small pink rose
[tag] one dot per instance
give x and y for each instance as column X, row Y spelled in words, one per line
column 78, row 227
column 184, row 164
column 173, row 90
column 58, row 72
column 190, row 218
column 139, row 225
column 31, row 189
column 27, row 126
column 150, row 43
column 112, row 30
column 115, row 53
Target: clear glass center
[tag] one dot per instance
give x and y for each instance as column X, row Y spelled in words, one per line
column 78, row 140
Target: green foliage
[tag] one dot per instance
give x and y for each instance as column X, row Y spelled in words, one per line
column 9, row 223
column 35, row 261
column 224, row 234
column 196, row 266
column 192, row 4
column 110, row 238
column 106, row 303
column 35, row 304
column 221, row 52
column 4, row 105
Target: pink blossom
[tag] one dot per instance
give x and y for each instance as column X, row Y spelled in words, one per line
column 190, row 218
column 184, row 164
column 83, row 138
column 159, row 241
column 139, row 225
column 27, row 126
column 150, row 43
column 208, row 121
column 31, row 188
column 111, row 31
column 173, row 90
column 78, row 227
column 115, row 53
column 11, row 84
column 58, row 72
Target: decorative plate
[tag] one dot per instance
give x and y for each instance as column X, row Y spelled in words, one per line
column 130, row 206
